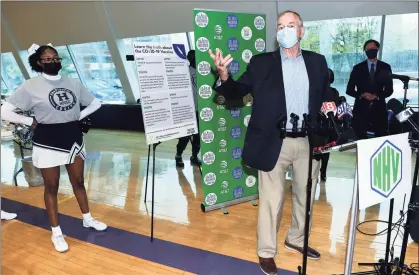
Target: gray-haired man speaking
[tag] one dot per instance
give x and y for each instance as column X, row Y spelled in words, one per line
column 286, row 81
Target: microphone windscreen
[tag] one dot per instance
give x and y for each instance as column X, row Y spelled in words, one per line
column 395, row 106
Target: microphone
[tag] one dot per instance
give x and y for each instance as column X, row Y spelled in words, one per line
column 329, row 110
column 281, row 124
column 344, row 113
column 306, row 122
column 404, row 78
column 294, row 120
column 402, row 115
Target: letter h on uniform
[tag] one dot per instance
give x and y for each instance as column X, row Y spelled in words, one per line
column 62, row 96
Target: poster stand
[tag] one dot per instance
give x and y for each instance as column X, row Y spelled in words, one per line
column 152, row 182
column 131, row 58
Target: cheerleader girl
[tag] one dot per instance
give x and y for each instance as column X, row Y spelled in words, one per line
column 58, row 139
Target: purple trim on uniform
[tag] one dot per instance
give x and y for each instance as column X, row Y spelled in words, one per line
column 163, row 252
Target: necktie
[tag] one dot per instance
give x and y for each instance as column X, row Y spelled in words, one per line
column 372, row 72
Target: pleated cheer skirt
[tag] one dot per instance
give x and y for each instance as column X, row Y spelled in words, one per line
column 57, row 144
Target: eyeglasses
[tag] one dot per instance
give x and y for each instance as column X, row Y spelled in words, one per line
column 49, row 60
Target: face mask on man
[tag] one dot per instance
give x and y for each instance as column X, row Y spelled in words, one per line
column 287, row 37
column 371, row 53
column 52, row 68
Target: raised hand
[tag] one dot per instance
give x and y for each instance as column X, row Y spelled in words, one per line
column 221, row 63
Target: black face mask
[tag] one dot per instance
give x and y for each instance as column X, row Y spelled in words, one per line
column 371, row 53
column 52, row 68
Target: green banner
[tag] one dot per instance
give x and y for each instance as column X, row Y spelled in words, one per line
column 226, row 180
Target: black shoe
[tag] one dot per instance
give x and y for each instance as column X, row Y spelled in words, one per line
column 179, row 162
column 195, row 161
column 268, row 266
column 311, row 253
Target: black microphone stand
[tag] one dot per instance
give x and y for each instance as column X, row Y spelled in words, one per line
column 309, row 132
column 405, row 87
column 302, row 270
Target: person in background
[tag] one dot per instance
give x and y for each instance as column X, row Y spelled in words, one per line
column 324, row 158
column 58, row 139
column 370, row 83
column 288, row 80
column 183, row 141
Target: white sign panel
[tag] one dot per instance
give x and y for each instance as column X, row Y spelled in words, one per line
column 384, row 169
column 165, row 90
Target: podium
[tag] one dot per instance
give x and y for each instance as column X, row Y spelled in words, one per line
column 382, row 172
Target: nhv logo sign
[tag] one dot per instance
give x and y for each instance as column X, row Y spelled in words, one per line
column 386, row 169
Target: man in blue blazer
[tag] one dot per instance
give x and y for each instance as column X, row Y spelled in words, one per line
column 288, row 80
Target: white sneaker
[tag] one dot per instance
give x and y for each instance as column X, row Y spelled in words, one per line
column 99, row 226
column 7, row 216
column 59, row 243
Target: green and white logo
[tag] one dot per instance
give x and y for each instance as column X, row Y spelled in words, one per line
column 218, row 29
column 386, row 168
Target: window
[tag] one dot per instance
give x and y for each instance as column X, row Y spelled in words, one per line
column 192, row 39
column 67, row 63
column 341, row 42
column 4, row 89
column 25, row 56
column 400, row 50
column 11, row 74
column 97, row 71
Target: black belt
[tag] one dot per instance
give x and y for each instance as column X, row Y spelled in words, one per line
column 295, row 134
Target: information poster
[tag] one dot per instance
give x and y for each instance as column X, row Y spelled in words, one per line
column 226, row 180
column 165, row 91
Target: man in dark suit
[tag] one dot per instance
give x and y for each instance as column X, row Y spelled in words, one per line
column 370, row 84
column 289, row 80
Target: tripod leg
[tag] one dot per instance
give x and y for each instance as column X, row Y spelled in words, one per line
column 409, row 215
column 390, row 223
column 146, row 179
column 152, row 193
column 307, row 225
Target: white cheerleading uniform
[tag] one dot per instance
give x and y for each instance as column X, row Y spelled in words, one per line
column 57, row 144
column 55, row 101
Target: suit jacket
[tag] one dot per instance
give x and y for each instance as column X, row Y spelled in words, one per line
column 263, row 79
column 359, row 83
